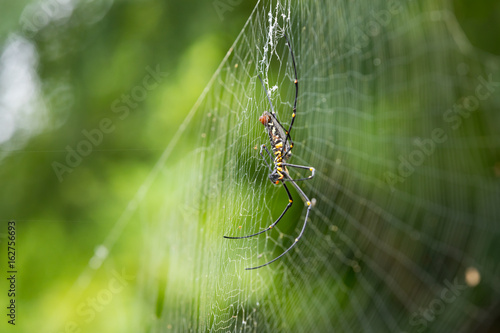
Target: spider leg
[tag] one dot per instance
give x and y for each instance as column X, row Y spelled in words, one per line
column 290, row 201
column 269, row 154
column 308, row 203
column 301, row 167
column 296, row 82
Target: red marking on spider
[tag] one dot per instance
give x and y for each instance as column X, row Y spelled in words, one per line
column 264, row 119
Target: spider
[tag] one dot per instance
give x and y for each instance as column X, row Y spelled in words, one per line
column 281, row 147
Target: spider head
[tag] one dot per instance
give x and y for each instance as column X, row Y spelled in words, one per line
column 265, row 118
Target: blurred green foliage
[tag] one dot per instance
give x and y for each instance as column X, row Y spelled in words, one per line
column 85, row 64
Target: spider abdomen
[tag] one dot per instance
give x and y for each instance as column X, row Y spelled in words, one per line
column 280, row 146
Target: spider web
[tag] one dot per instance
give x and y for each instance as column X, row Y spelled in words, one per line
column 396, row 114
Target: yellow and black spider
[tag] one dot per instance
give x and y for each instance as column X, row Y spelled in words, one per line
column 281, row 146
